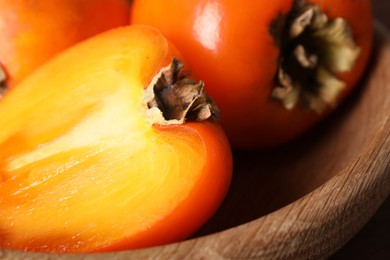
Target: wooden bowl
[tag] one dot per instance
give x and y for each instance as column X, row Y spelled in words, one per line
column 304, row 200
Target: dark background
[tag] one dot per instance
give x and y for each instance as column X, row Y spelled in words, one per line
column 373, row 241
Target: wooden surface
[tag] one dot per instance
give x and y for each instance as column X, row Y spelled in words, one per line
column 373, row 241
column 305, row 200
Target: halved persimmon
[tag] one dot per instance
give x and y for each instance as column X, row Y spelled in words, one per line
column 97, row 151
column 32, row 32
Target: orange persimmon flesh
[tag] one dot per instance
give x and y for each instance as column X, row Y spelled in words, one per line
column 83, row 170
column 32, row 32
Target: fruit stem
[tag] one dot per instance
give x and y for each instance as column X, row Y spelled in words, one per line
column 314, row 49
column 173, row 98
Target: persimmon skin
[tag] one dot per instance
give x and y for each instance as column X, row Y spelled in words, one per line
column 83, row 170
column 228, row 44
column 32, row 32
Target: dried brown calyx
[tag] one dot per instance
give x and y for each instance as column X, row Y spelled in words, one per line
column 173, row 98
column 2, row 82
column 314, row 49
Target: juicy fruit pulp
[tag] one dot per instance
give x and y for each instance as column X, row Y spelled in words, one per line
column 81, row 167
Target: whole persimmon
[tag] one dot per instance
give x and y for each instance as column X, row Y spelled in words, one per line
column 275, row 68
column 31, row 32
column 110, row 145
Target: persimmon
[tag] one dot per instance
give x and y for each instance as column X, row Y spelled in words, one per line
column 275, row 68
column 32, row 32
column 110, row 145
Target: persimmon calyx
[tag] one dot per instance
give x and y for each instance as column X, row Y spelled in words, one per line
column 3, row 78
column 314, row 49
column 173, row 98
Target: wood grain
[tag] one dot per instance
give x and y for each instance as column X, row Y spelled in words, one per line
column 372, row 241
column 304, row 200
